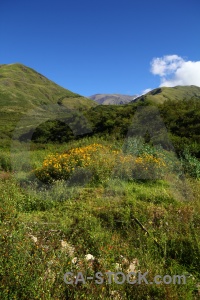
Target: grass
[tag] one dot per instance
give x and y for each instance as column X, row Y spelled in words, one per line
column 118, row 221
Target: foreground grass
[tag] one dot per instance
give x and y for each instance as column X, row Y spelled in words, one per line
column 47, row 231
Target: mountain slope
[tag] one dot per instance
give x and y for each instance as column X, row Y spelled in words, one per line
column 21, row 86
column 112, row 99
column 161, row 94
column 22, row 89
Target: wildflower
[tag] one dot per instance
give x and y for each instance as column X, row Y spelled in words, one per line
column 74, row 260
column 34, row 238
column 68, row 248
column 118, row 267
column 133, row 266
column 89, row 257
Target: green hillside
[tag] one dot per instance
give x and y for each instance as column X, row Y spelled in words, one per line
column 162, row 94
column 22, row 89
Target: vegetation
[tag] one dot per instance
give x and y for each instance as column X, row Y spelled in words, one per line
column 99, row 192
column 180, row 121
column 96, row 163
column 121, row 219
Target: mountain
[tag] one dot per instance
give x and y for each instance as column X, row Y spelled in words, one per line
column 112, row 99
column 160, row 95
column 22, row 89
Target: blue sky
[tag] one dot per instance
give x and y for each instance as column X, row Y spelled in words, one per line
column 104, row 46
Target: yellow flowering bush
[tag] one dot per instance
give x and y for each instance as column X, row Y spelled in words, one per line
column 144, row 166
column 97, row 163
column 148, row 166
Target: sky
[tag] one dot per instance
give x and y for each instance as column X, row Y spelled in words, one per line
column 107, row 46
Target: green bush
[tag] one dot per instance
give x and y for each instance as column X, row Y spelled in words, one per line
column 190, row 164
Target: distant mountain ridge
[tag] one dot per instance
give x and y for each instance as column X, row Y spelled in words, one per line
column 112, row 99
column 161, row 94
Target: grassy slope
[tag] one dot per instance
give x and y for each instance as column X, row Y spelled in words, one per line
column 22, row 88
column 159, row 95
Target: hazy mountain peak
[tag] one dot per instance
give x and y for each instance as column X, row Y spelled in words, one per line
column 114, row 99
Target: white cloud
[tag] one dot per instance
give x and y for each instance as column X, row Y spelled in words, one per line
column 174, row 70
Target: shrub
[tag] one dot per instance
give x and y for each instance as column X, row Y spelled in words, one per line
column 137, row 146
column 97, row 163
column 191, row 164
column 148, row 166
